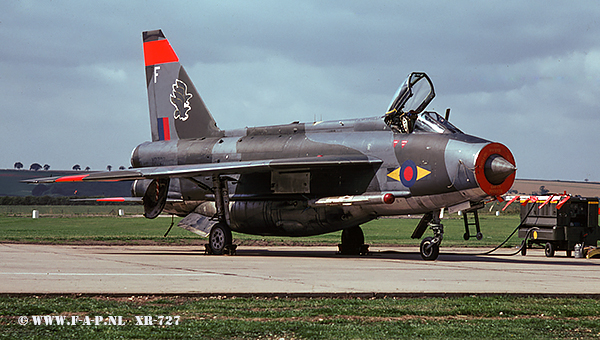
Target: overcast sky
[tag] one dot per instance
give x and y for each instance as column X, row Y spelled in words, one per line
column 523, row 73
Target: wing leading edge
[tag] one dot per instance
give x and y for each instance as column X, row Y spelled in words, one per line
column 193, row 170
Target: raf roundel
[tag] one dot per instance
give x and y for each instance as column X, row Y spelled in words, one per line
column 408, row 173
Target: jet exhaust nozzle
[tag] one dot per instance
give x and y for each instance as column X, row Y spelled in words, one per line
column 497, row 169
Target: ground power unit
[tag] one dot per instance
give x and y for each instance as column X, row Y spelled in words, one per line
column 560, row 222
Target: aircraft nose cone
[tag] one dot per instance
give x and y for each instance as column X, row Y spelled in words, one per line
column 497, row 169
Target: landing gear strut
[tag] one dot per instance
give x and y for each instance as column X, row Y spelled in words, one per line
column 430, row 246
column 353, row 241
column 220, row 239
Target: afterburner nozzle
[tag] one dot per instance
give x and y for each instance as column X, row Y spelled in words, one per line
column 497, row 169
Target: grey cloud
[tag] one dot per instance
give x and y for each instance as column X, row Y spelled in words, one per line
column 72, row 72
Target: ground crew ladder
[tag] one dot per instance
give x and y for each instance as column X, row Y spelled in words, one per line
column 475, row 223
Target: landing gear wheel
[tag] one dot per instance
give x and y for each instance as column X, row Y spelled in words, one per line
column 523, row 249
column 219, row 239
column 429, row 250
column 353, row 240
column 549, row 250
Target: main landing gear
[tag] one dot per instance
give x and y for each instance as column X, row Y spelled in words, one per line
column 353, row 241
column 220, row 239
column 430, row 246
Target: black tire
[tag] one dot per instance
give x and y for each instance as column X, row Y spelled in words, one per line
column 352, row 240
column 549, row 249
column 353, row 236
column 429, row 250
column 569, row 253
column 479, row 236
column 219, row 238
column 524, row 250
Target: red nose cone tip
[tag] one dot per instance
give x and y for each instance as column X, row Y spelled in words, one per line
column 495, row 169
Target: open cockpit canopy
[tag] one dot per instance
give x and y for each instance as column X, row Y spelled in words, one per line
column 413, row 95
column 406, row 111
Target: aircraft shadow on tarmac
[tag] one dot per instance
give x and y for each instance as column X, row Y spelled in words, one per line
column 407, row 255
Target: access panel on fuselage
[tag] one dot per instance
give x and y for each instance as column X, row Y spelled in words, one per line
column 320, row 182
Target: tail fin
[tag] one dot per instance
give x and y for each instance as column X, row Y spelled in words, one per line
column 176, row 109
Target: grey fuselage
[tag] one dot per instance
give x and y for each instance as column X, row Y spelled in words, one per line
column 424, row 171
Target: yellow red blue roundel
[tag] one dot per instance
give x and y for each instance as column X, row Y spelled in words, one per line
column 408, row 173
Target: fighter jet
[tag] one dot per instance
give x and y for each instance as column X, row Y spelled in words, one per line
column 303, row 179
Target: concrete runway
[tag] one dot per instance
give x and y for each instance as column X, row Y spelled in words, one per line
column 39, row 269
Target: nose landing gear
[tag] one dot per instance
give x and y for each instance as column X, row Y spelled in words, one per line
column 430, row 246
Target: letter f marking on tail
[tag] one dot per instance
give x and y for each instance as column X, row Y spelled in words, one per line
column 156, row 68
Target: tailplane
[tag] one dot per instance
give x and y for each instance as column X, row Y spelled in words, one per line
column 176, row 109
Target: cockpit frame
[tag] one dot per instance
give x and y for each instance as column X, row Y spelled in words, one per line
column 406, row 111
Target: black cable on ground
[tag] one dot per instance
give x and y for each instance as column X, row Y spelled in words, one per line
column 523, row 244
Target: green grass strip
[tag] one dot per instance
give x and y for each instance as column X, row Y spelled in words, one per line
column 138, row 230
column 476, row 317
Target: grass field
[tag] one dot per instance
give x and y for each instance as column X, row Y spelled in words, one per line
column 474, row 317
column 100, row 224
column 69, row 210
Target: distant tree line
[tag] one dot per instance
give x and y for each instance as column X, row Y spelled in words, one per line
column 46, row 167
column 52, row 200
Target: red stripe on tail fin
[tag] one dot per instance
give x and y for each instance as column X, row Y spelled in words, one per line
column 166, row 128
column 159, row 52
